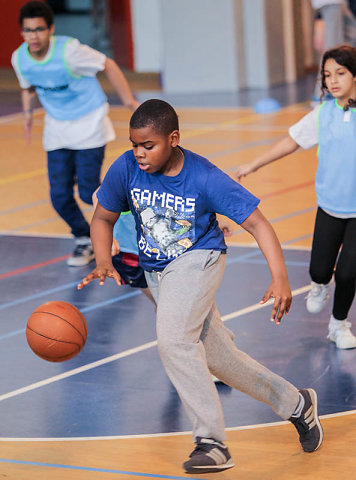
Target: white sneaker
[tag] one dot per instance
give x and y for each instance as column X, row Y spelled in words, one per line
column 83, row 253
column 340, row 333
column 318, row 297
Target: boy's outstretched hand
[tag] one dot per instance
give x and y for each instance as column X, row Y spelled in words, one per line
column 100, row 272
column 282, row 300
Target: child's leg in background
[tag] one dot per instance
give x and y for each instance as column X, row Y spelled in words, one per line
column 148, row 294
column 330, row 234
column 61, row 175
column 327, row 240
column 126, row 264
column 333, row 16
column 87, row 168
column 345, row 273
column 187, row 317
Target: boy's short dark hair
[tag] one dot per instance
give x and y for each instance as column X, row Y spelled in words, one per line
column 36, row 9
column 157, row 114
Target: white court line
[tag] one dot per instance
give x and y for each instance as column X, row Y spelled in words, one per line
column 36, row 235
column 254, row 245
column 143, row 347
column 131, row 351
column 166, row 434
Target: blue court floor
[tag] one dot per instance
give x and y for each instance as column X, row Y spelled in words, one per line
column 117, row 386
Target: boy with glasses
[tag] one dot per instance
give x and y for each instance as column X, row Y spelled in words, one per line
column 62, row 73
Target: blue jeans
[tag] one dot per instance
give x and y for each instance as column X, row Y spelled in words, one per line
column 67, row 168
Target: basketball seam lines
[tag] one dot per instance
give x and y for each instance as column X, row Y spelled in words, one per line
column 54, row 339
column 64, row 320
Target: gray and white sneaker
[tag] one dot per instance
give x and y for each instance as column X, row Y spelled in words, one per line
column 208, row 456
column 83, row 253
column 318, row 296
column 307, row 423
column 340, row 333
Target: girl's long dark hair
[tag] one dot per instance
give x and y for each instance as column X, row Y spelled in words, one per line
column 344, row 55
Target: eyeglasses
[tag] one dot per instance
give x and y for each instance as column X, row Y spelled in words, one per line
column 27, row 31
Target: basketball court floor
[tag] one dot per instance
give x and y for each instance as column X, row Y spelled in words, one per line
column 111, row 412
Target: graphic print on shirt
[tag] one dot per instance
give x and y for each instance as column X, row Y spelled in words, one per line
column 167, row 223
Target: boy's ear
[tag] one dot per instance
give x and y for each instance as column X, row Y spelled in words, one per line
column 51, row 29
column 175, row 138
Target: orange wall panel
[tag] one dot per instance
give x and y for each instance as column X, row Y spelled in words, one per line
column 121, row 32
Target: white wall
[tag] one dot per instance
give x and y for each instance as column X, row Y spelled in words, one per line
column 199, row 46
column 147, row 35
column 217, row 45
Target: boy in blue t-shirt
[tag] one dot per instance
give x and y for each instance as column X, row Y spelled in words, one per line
column 174, row 195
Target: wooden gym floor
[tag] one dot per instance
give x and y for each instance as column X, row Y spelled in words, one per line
column 111, row 413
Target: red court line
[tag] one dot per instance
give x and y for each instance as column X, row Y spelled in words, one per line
column 287, row 190
column 34, row 267
column 60, row 259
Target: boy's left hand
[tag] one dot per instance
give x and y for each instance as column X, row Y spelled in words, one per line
column 282, row 295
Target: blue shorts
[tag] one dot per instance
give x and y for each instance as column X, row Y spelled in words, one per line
column 126, row 264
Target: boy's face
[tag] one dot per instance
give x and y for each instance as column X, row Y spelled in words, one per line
column 153, row 151
column 37, row 35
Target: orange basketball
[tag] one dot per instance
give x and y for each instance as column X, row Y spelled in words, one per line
column 56, row 331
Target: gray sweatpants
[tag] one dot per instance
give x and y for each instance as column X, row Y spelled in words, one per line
column 193, row 343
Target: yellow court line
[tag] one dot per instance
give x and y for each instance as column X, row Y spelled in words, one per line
column 23, row 176
column 117, row 152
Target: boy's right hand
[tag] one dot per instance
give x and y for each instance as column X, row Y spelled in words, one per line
column 101, row 272
column 27, row 126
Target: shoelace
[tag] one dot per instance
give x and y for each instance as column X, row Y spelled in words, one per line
column 342, row 329
column 301, row 425
column 202, row 448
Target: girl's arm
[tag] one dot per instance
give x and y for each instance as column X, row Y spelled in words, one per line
column 101, row 236
column 260, row 228
column 280, row 149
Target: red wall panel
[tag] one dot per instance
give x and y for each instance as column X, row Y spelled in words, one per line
column 10, row 36
column 121, row 32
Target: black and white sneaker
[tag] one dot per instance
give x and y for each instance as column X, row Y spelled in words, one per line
column 83, row 253
column 208, row 456
column 308, row 424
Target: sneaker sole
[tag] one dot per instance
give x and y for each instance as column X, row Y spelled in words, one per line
column 314, row 399
column 210, row 468
column 82, row 263
column 332, row 339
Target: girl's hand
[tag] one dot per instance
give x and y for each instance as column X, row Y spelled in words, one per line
column 282, row 295
column 101, row 272
column 243, row 170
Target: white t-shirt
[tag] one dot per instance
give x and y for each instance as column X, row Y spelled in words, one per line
column 90, row 131
column 322, row 3
column 305, row 132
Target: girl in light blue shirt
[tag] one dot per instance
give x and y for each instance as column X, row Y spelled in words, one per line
column 331, row 126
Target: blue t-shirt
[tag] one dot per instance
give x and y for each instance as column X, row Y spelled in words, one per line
column 175, row 214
